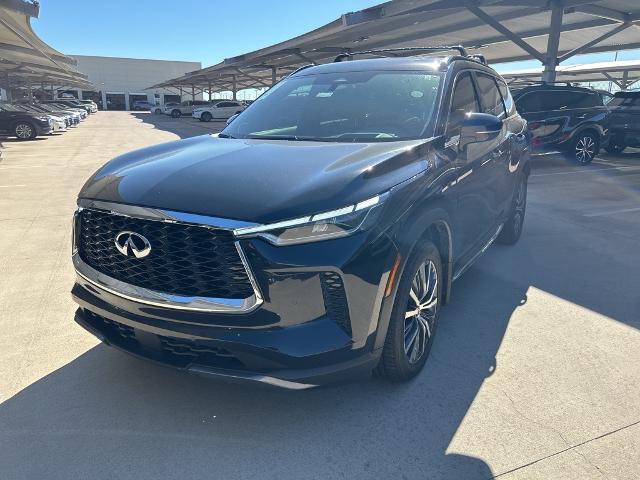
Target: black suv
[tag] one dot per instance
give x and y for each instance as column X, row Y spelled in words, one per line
column 318, row 235
column 564, row 118
column 23, row 125
column 625, row 121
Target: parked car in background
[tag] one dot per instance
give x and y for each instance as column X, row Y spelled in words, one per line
column 159, row 109
column 142, row 105
column 625, row 121
column 81, row 111
column 73, row 116
column 572, row 120
column 23, row 125
column 221, row 110
column 93, row 106
column 60, row 123
column 318, row 235
column 73, row 104
column 184, row 108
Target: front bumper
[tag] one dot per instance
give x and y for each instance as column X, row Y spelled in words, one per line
column 297, row 337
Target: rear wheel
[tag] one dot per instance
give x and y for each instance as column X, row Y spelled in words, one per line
column 24, row 131
column 176, row 113
column 584, row 147
column 615, row 147
column 414, row 317
column 206, row 117
column 512, row 229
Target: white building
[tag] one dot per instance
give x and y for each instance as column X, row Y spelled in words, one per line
column 121, row 81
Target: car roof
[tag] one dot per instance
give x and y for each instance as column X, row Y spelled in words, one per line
column 436, row 63
column 554, row 86
column 627, row 94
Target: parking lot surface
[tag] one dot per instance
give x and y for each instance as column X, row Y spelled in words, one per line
column 533, row 374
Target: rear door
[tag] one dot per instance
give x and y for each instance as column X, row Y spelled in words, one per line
column 625, row 115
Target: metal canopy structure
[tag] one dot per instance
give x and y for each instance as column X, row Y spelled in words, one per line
column 550, row 31
column 25, row 60
column 623, row 73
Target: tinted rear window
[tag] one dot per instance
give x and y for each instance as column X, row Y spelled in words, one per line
column 541, row 101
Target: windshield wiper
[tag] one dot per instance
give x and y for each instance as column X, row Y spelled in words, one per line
column 293, row 138
column 225, row 135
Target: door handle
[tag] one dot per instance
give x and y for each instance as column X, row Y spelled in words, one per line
column 584, row 115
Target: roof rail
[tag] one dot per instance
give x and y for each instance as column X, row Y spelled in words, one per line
column 348, row 55
column 479, row 57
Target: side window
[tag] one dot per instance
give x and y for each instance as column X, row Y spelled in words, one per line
column 463, row 100
column 509, row 104
column 490, row 96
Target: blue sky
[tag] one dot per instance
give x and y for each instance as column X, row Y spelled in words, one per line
column 193, row 30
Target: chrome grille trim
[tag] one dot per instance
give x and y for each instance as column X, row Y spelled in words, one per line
column 161, row 299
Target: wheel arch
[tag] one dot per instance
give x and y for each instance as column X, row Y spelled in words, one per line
column 435, row 226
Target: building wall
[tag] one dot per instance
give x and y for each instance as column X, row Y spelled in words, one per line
column 132, row 76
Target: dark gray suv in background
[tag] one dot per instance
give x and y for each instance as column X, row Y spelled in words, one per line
column 319, row 235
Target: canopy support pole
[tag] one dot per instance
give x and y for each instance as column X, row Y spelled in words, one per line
column 273, row 76
column 193, row 92
column 235, row 90
column 209, row 89
column 625, row 79
column 553, row 42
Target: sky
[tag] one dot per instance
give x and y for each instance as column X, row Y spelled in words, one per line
column 201, row 30
column 191, row 30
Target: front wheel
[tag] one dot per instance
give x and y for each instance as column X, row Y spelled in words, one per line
column 512, row 229
column 205, row 117
column 414, row 317
column 176, row 113
column 584, row 148
column 24, row 131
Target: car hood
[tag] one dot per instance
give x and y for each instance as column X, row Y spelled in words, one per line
column 255, row 180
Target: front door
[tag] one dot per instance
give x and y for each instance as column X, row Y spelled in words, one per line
column 474, row 214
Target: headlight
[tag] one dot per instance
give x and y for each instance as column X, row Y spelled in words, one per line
column 321, row 226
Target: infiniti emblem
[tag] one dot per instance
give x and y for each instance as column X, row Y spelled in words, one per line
column 132, row 242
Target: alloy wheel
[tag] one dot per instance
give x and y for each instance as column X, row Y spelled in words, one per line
column 585, row 149
column 421, row 311
column 24, row 131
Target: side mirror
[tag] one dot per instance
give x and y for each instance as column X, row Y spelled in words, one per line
column 232, row 118
column 479, row 127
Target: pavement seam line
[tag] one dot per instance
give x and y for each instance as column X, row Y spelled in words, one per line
column 573, row 447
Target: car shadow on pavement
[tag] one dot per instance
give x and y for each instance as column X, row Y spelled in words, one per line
column 184, row 127
column 128, row 418
column 107, row 415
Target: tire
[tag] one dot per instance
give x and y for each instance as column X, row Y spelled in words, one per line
column 584, row 147
column 176, row 113
column 206, row 117
column 512, row 229
column 157, row 111
column 24, row 131
column 615, row 148
column 409, row 340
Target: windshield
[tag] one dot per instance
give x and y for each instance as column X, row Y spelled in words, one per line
column 343, row 107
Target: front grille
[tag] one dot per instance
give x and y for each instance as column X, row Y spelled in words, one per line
column 185, row 260
column 335, row 300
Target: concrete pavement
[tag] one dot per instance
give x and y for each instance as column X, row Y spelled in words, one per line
column 534, row 372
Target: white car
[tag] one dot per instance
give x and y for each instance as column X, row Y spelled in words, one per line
column 221, row 110
column 58, row 124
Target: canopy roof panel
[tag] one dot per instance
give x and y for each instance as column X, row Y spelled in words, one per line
column 25, row 58
column 501, row 30
column 622, row 72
